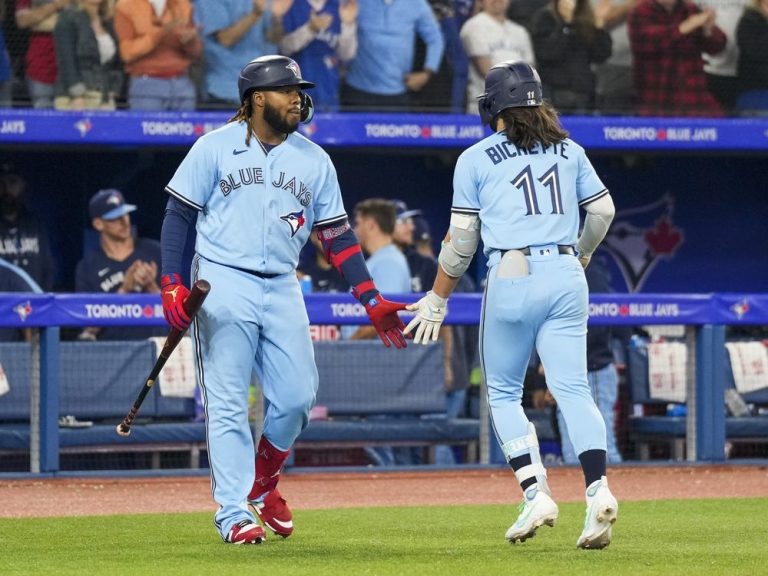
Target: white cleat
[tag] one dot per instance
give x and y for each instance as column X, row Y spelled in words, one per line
column 602, row 511
column 537, row 509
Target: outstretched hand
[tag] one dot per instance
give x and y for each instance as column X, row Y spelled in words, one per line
column 383, row 315
column 430, row 313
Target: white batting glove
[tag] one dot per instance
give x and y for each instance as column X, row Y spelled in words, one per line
column 430, row 313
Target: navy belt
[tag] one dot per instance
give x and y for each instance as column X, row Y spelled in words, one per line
column 561, row 248
column 256, row 273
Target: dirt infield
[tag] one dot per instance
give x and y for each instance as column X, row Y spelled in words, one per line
column 81, row 497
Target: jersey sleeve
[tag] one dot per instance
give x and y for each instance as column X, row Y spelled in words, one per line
column 194, row 180
column 328, row 205
column 589, row 187
column 465, row 187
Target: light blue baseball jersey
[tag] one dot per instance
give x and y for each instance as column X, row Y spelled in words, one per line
column 257, row 208
column 525, row 197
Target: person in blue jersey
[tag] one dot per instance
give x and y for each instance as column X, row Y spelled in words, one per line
column 520, row 190
column 259, row 189
column 321, row 35
column 122, row 263
column 381, row 75
column 233, row 31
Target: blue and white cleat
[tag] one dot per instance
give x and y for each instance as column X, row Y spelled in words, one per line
column 536, row 509
column 602, row 511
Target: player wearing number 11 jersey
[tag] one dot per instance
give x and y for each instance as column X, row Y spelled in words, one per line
column 520, row 190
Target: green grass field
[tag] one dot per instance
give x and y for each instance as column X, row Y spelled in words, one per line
column 701, row 537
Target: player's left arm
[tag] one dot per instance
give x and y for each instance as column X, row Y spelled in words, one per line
column 456, row 253
column 599, row 216
column 342, row 249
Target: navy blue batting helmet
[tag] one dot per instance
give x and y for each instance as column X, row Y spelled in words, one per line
column 268, row 72
column 509, row 85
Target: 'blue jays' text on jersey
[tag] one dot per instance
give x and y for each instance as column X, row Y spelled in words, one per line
column 524, row 197
column 257, row 209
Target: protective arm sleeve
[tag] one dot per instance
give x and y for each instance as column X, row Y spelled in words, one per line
column 342, row 250
column 457, row 251
column 173, row 235
column 599, row 216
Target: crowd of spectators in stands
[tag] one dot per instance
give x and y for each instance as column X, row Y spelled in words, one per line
column 653, row 57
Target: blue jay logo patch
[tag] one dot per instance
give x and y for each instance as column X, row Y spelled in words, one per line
column 295, row 220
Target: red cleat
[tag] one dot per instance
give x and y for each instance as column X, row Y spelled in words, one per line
column 273, row 511
column 246, row 532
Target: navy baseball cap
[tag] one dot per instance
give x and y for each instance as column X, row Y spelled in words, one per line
column 402, row 211
column 421, row 231
column 109, row 204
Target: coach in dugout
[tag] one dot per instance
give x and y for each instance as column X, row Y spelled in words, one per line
column 122, row 264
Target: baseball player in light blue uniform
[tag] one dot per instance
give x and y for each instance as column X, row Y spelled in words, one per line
column 520, row 191
column 258, row 190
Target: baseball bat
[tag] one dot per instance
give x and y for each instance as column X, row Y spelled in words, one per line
column 192, row 306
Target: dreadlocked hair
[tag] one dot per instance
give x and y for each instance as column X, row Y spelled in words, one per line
column 528, row 125
column 243, row 114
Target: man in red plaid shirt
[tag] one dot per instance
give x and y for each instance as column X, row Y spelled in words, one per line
column 667, row 39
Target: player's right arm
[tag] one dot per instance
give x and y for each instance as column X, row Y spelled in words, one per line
column 173, row 238
column 456, row 252
column 189, row 190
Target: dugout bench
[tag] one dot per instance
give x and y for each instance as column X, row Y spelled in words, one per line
column 98, row 382
column 384, row 397
column 373, row 395
column 671, row 430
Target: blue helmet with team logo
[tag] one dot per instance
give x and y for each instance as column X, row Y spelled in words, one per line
column 269, row 72
column 509, row 85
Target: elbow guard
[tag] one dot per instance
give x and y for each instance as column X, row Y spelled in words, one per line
column 457, row 252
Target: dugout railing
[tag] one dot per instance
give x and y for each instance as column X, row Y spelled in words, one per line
column 705, row 427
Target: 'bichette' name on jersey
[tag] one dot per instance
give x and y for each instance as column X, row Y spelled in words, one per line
column 506, row 150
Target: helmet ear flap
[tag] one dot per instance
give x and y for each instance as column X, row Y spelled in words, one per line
column 483, row 106
column 307, row 108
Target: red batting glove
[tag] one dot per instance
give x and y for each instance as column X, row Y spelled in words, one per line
column 383, row 315
column 174, row 294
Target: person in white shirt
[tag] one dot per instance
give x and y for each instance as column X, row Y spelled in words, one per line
column 490, row 37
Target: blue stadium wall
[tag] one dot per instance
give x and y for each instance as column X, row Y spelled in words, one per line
column 690, row 219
